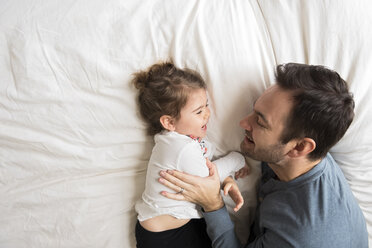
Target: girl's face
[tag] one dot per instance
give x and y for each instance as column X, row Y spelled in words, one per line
column 195, row 115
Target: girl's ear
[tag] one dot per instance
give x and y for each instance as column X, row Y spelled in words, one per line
column 303, row 148
column 167, row 122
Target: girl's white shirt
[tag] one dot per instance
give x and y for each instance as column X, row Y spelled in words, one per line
column 175, row 151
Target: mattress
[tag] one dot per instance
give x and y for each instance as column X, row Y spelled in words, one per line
column 73, row 148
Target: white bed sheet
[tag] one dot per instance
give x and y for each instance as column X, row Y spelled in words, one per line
column 73, row 150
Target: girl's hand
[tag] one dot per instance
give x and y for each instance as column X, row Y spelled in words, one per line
column 230, row 187
column 243, row 172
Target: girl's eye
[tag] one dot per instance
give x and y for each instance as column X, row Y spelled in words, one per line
column 198, row 113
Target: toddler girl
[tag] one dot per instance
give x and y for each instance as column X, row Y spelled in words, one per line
column 174, row 104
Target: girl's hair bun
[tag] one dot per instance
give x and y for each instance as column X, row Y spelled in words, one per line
column 142, row 79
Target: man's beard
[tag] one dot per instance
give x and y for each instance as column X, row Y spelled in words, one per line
column 272, row 154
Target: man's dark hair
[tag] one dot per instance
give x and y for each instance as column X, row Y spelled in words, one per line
column 323, row 107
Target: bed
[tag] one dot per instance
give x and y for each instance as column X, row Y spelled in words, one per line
column 73, row 149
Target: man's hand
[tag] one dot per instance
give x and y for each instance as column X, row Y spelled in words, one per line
column 230, row 187
column 204, row 191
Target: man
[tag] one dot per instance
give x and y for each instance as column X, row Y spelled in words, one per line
column 304, row 199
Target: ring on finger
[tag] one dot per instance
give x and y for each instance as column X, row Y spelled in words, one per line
column 181, row 191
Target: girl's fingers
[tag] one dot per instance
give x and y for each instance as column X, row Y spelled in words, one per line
column 227, row 188
column 238, row 174
column 243, row 172
column 239, row 204
column 236, row 209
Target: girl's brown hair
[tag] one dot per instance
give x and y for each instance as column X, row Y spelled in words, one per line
column 163, row 90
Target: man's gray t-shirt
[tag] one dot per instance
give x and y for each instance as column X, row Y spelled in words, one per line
column 316, row 209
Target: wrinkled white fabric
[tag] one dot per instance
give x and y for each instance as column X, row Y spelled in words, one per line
column 73, row 149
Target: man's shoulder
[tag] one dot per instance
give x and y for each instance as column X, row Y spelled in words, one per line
column 322, row 206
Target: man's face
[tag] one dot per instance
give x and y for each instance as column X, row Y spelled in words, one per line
column 264, row 126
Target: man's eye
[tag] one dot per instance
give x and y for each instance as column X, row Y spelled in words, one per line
column 199, row 112
column 258, row 123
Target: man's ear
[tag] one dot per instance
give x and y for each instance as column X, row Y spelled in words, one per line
column 302, row 148
column 167, row 122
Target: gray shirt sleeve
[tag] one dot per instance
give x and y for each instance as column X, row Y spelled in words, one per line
column 220, row 229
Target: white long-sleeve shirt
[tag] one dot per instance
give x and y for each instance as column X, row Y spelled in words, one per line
column 175, row 151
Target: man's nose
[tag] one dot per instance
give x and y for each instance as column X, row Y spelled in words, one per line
column 245, row 123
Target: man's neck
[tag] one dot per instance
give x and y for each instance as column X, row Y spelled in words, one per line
column 292, row 169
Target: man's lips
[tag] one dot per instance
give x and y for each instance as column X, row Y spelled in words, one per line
column 248, row 138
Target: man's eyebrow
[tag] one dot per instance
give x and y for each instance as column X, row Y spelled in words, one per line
column 260, row 114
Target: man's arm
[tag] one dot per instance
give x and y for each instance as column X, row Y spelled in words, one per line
column 204, row 191
column 220, row 229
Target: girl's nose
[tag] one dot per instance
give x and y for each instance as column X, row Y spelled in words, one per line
column 207, row 113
